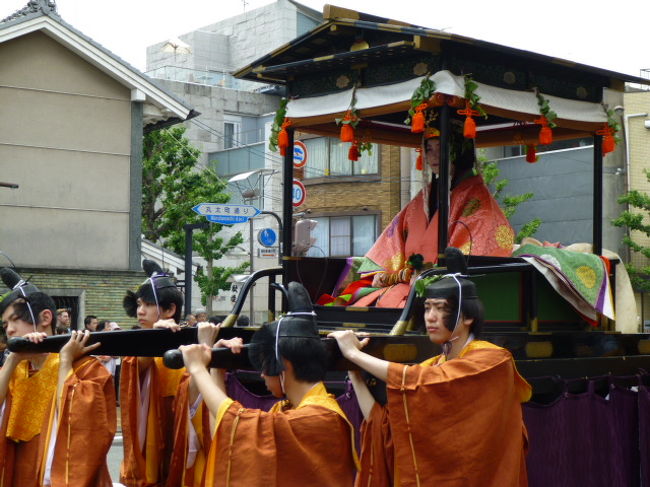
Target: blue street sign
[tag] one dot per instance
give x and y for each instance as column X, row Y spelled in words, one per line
column 226, row 214
column 226, row 220
column 267, row 237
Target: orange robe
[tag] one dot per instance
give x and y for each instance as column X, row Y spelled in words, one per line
column 150, row 467
column 309, row 445
column 179, row 475
column 472, row 207
column 86, row 426
column 457, row 424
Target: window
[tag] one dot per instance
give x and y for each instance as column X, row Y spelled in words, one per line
column 329, row 157
column 230, row 135
column 520, row 150
column 343, row 236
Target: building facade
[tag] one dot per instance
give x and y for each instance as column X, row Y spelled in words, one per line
column 71, row 127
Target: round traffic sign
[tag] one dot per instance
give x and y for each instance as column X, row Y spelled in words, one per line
column 267, row 237
column 298, row 193
column 299, row 154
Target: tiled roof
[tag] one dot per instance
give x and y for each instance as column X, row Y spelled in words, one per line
column 33, row 7
column 47, row 9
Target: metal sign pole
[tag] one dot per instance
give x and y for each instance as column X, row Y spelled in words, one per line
column 250, row 298
column 189, row 229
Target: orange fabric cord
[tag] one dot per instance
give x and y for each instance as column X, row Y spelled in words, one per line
column 418, row 120
column 469, row 128
column 545, row 133
column 353, row 153
column 347, row 129
column 283, row 137
column 531, row 154
column 609, row 142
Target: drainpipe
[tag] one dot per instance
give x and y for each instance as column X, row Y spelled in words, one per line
column 626, row 138
column 626, row 129
column 405, row 175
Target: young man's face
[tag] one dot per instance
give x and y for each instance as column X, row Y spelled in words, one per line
column 64, row 318
column 149, row 313
column 436, row 312
column 92, row 326
column 17, row 327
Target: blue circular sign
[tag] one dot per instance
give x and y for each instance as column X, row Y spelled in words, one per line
column 267, row 237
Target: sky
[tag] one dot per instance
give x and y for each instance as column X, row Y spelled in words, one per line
column 614, row 35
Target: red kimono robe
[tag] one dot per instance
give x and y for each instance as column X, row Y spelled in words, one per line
column 472, row 210
column 455, row 425
column 86, row 426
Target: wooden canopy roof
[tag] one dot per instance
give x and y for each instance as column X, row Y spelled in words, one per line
column 353, row 49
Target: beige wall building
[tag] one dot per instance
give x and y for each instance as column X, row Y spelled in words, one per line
column 71, row 128
column 637, row 132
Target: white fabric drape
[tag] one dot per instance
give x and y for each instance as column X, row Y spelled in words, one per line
column 524, row 102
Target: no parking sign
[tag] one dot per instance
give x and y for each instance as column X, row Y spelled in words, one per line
column 298, row 193
column 299, row 154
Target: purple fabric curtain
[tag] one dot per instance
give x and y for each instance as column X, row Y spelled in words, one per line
column 239, row 393
column 599, row 437
column 584, row 439
column 644, row 434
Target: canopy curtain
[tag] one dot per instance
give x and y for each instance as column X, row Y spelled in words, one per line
column 520, row 102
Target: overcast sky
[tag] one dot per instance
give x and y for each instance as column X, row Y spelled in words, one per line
column 609, row 34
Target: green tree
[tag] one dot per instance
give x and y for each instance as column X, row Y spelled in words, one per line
column 490, row 172
column 171, row 185
column 634, row 219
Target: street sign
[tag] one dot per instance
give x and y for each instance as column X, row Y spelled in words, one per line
column 298, row 193
column 267, row 237
column 299, row 154
column 226, row 214
column 267, row 252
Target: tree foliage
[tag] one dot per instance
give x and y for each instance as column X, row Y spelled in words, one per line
column 171, row 185
column 490, row 172
column 634, row 219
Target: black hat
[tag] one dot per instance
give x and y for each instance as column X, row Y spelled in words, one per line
column 149, row 290
column 299, row 322
column 19, row 288
column 454, row 284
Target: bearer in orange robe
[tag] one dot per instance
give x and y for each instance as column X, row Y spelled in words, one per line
column 57, row 411
column 453, row 420
column 158, row 427
column 304, row 440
